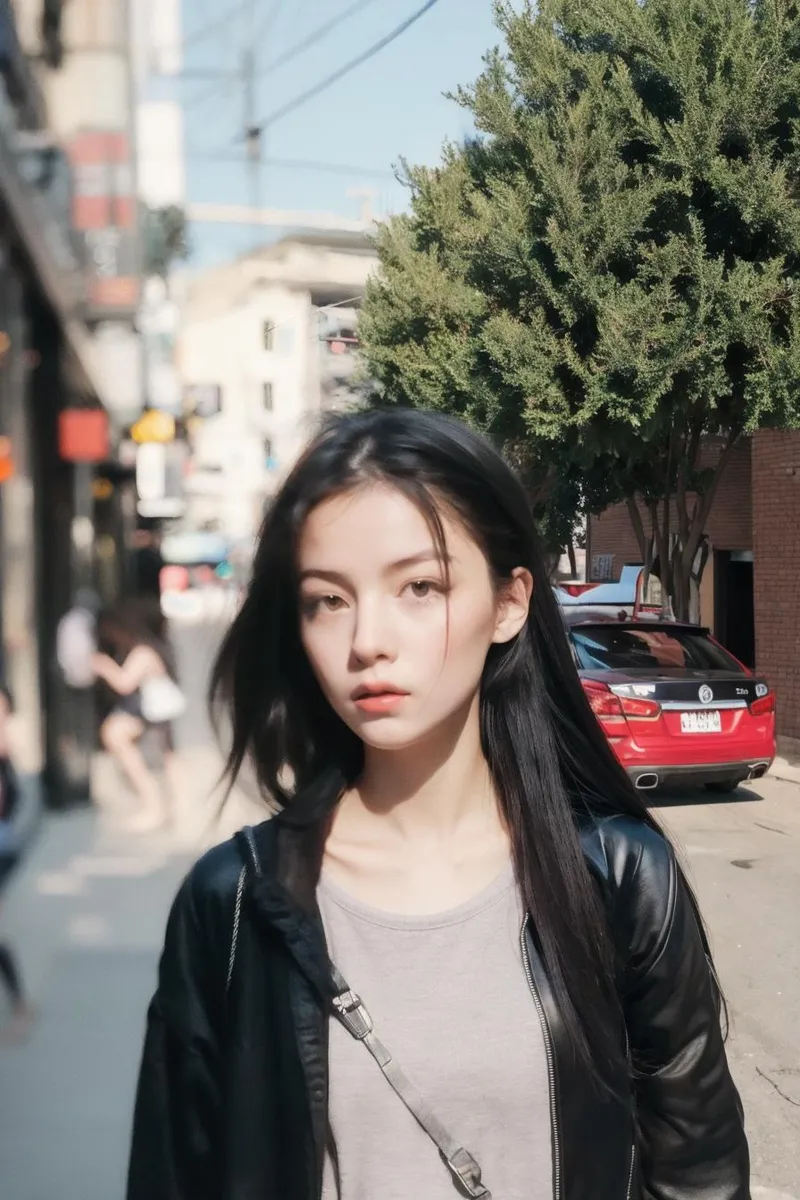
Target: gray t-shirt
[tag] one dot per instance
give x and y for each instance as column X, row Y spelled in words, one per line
column 450, row 1000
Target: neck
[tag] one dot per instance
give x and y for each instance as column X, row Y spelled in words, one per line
column 434, row 789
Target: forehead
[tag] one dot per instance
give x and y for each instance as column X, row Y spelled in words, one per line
column 371, row 525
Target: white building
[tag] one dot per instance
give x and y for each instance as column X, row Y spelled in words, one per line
column 157, row 56
column 267, row 342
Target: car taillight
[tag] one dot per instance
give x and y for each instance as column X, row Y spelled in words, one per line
column 761, row 708
column 602, row 701
column 606, row 705
column 644, row 709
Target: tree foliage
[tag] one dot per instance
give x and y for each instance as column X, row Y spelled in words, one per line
column 165, row 238
column 606, row 274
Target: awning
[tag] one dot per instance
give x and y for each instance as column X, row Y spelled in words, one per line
column 52, row 257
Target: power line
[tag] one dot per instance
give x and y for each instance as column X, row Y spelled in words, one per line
column 288, row 164
column 316, row 35
column 306, row 43
column 217, row 90
column 302, row 99
column 273, row 15
column 301, row 164
column 211, row 27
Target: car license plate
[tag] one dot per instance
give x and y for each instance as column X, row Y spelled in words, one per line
column 701, row 722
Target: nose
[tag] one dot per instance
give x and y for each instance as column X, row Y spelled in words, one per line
column 372, row 636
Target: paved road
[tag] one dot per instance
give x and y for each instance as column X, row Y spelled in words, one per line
column 88, row 912
column 744, row 857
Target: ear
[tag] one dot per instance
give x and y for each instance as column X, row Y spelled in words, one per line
column 513, row 605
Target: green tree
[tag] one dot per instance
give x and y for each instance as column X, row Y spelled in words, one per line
column 165, row 238
column 607, row 272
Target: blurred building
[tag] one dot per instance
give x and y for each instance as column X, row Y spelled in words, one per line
column 161, row 172
column 267, row 343
column 157, row 56
column 70, row 377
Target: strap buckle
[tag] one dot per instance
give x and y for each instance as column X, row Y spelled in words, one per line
column 351, row 1012
column 468, row 1174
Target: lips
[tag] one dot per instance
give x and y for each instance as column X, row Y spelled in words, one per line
column 366, row 690
column 378, row 698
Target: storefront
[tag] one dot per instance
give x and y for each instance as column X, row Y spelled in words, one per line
column 46, row 529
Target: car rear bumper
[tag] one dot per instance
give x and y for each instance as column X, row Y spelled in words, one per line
column 648, row 777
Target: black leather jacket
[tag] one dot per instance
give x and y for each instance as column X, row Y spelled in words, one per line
column 233, row 1090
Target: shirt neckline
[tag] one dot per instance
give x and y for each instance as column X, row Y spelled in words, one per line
column 499, row 887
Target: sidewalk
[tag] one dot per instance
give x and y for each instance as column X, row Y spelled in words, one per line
column 86, row 913
column 786, row 768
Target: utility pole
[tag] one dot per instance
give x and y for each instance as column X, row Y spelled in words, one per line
column 252, row 131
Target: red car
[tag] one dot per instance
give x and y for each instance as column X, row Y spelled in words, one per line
column 675, row 705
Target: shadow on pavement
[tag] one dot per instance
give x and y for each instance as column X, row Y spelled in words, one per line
column 681, row 797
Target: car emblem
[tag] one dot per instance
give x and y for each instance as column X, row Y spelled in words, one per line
column 761, row 689
column 705, row 694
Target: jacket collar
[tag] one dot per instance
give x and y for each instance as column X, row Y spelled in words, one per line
column 287, row 861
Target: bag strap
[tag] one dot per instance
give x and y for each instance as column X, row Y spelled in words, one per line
column 250, row 851
column 352, row 1013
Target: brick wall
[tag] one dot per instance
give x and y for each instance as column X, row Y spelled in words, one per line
column 776, row 537
column 729, row 522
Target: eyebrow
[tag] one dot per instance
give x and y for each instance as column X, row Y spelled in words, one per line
column 402, row 564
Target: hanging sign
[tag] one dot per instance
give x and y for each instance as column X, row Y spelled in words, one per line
column 83, row 435
column 7, row 465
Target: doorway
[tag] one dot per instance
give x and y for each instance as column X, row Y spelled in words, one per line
column 734, row 611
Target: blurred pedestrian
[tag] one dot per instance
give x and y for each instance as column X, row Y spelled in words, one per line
column 141, row 671
column 21, row 1011
column 462, row 957
column 147, row 563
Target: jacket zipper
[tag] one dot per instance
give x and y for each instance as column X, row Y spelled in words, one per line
column 551, row 1067
column 633, row 1168
column 551, row 1074
column 633, row 1143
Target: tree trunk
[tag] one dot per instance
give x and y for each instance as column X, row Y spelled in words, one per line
column 638, row 527
column 681, row 586
column 692, row 526
column 551, row 560
column 573, row 561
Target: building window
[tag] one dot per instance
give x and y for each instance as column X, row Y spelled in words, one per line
column 266, row 392
column 268, row 451
column 268, row 335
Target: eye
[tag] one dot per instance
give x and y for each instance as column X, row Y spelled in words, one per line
column 312, row 605
column 422, row 589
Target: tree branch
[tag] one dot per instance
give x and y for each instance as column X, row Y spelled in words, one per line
column 703, row 507
column 638, row 525
column 541, row 491
column 661, row 546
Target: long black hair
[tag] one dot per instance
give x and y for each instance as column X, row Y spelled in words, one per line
column 549, row 759
column 138, row 621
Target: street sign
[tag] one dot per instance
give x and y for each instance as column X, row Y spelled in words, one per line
column 151, row 471
column 7, row 466
column 83, row 435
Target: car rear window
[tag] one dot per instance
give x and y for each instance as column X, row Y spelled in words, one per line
column 619, row 647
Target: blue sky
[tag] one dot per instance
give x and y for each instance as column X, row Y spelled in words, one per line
column 392, row 106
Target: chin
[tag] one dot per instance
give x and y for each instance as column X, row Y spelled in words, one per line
column 383, row 734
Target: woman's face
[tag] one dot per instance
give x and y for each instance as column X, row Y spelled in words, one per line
column 396, row 653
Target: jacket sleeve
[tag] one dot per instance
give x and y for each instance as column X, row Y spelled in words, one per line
column 177, row 1127
column 692, row 1143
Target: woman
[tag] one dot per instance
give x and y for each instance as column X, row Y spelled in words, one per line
column 454, row 842
column 136, row 637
